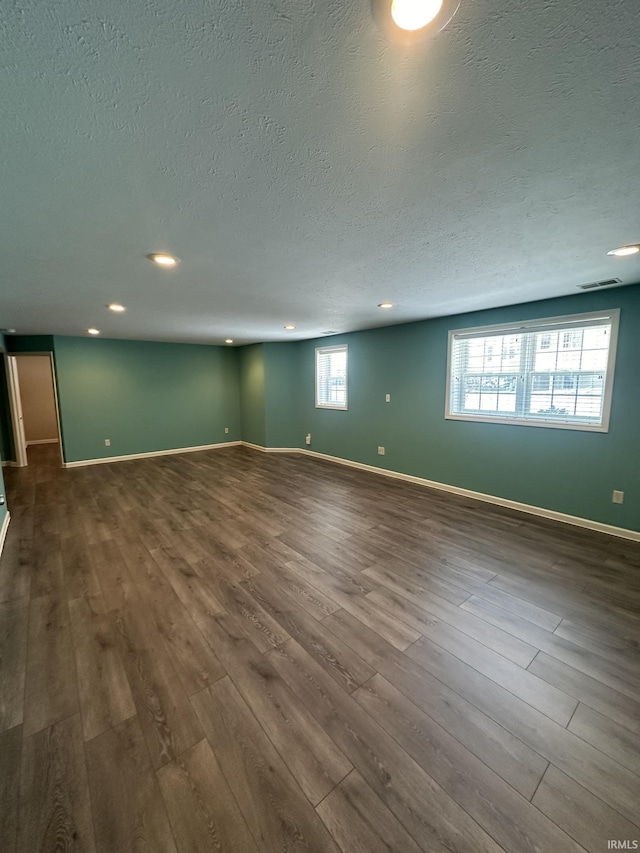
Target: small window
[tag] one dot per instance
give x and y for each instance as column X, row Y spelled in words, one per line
column 331, row 377
column 553, row 372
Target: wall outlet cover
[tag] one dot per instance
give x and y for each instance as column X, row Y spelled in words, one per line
column 380, row 451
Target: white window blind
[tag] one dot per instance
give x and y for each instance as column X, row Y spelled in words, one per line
column 331, row 377
column 552, row 372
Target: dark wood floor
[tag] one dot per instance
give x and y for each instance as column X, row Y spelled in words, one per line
column 234, row 651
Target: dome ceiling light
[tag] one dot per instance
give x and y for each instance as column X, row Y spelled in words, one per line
column 413, row 20
column 624, row 251
column 162, row 259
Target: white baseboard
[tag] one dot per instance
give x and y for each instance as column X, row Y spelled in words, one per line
column 574, row 520
column 105, row 459
column 270, row 449
column 7, row 463
column 42, row 441
column 3, row 532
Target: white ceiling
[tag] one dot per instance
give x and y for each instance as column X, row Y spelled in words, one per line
column 304, row 168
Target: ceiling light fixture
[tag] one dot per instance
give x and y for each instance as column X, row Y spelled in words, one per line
column 229, row 341
column 413, row 20
column 115, row 306
column 93, row 331
column 414, row 14
column 624, row 251
column 289, row 327
column 385, row 305
column 162, row 259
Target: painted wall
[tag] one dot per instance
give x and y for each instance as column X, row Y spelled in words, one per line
column 252, row 394
column 5, row 432
column 37, row 398
column 152, row 396
column 29, row 343
column 269, row 393
column 144, row 396
column 564, row 470
column 6, row 444
column 6, row 429
column 282, row 415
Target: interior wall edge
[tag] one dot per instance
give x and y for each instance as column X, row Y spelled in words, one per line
column 106, row 459
column 552, row 515
column 269, row 449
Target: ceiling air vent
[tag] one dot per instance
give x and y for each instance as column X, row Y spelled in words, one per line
column 607, row 283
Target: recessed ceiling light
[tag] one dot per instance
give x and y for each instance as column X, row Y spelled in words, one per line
column 289, row 327
column 93, row 331
column 385, row 305
column 410, row 21
column 623, row 251
column 162, row 259
column 229, row 341
column 414, row 14
column 115, row 306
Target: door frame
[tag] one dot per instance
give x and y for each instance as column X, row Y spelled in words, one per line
column 15, row 401
column 15, row 404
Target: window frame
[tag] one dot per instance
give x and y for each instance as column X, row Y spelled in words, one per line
column 333, row 406
column 540, row 325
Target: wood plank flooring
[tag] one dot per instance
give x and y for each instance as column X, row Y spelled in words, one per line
column 247, row 653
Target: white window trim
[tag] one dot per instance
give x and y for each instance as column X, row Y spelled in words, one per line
column 540, row 325
column 339, row 408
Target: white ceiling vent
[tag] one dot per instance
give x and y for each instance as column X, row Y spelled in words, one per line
column 609, row 282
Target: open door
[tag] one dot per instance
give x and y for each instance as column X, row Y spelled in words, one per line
column 16, row 411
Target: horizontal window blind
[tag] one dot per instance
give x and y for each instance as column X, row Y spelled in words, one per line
column 331, row 377
column 556, row 371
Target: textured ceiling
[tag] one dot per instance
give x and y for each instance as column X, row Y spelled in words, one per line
column 305, row 168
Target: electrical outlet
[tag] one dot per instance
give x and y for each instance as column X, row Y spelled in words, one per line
column 380, row 451
column 387, row 398
column 618, row 497
column 107, row 442
column 226, row 429
column 307, row 438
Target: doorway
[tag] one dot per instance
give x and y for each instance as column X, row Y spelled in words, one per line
column 33, row 403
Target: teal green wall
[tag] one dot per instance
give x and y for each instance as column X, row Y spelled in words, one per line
column 269, row 394
column 282, row 417
column 152, row 396
column 564, row 470
column 6, row 430
column 6, row 448
column 144, row 396
column 29, row 343
column 252, row 394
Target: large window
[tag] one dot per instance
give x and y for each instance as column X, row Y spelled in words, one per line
column 331, row 377
column 556, row 372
